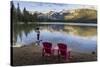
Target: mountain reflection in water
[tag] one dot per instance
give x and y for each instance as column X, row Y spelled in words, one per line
column 76, row 37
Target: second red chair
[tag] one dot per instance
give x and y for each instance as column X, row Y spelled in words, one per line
column 63, row 50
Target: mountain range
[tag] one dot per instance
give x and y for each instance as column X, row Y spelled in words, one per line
column 74, row 15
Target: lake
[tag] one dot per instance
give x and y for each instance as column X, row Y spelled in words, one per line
column 25, row 34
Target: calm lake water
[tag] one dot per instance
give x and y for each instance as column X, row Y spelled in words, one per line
column 25, row 34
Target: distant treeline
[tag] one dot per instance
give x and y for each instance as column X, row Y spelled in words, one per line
column 83, row 16
column 21, row 16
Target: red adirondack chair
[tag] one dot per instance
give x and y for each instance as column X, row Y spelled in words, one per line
column 47, row 49
column 63, row 51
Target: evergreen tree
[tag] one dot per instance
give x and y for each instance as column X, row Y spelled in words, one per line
column 25, row 15
column 19, row 15
column 35, row 16
column 13, row 13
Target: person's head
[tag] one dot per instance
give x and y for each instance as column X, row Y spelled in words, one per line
column 37, row 28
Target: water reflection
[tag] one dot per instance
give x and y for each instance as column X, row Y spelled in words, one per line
column 79, row 38
column 75, row 42
column 26, row 34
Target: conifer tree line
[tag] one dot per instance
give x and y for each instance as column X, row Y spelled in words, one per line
column 18, row 16
column 78, row 15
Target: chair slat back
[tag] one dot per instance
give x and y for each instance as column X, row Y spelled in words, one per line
column 47, row 47
column 62, row 48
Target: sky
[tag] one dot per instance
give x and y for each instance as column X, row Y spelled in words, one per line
column 46, row 7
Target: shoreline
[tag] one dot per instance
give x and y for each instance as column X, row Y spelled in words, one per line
column 31, row 55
